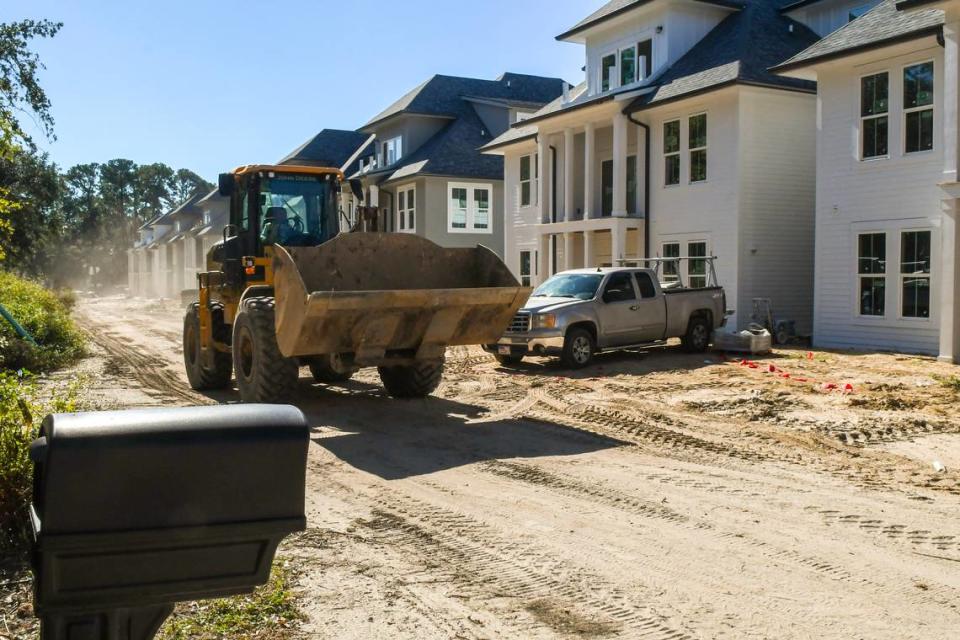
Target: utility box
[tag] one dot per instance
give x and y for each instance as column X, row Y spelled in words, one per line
column 136, row 510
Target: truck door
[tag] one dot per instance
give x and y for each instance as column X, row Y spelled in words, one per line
column 617, row 311
column 651, row 314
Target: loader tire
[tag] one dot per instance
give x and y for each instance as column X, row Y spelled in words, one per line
column 201, row 377
column 263, row 374
column 412, row 381
column 330, row 368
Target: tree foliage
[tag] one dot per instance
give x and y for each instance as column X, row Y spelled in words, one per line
column 20, row 90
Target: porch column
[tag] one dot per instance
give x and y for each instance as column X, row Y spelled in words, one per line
column 543, row 198
column 568, row 151
column 618, row 243
column 543, row 254
column 619, row 165
column 588, row 260
column 949, row 283
column 568, row 240
column 589, row 159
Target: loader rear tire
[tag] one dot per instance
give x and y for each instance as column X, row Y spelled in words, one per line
column 201, row 377
column 412, row 381
column 330, row 368
column 263, row 374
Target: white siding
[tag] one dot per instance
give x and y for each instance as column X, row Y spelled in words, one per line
column 888, row 195
column 520, row 231
column 701, row 211
column 777, row 187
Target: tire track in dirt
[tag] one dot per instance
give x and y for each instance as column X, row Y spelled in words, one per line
column 150, row 371
column 593, row 493
column 900, row 533
column 488, row 569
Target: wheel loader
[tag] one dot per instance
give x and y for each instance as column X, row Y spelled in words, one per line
column 291, row 284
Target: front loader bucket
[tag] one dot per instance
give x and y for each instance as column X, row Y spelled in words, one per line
column 384, row 294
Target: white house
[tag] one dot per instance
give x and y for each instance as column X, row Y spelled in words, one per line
column 679, row 142
column 885, row 246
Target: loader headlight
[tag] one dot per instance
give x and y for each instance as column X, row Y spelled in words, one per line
column 544, row 321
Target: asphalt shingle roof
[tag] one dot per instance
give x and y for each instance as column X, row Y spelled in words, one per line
column 329, row 148
column 616, row 7
column 443, row 95
column 455, row 149
column 883, row 25
column 741, row 49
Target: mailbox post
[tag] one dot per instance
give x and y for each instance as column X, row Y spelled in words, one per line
column 136, row 510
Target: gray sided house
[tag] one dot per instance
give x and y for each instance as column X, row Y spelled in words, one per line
column 425, row 172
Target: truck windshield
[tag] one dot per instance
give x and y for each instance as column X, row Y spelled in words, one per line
column 294, row 210
column 572, row 285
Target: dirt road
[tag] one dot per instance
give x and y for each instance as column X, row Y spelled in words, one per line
column 655, row 495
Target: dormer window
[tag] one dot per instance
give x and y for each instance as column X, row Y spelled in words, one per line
column 608, row 68
column 392, row 150
column 628, row 66
column 645, row 58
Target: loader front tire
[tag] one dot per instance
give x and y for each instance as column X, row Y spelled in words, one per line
column 263, row 374
column 330, row 368
column 201, row 376
column 412, row 381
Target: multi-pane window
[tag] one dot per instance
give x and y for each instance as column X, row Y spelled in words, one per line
column 645, row 58
column 407, row 209
column 871, row 273
column 671, row 152
column 527, row 259
column 915, row 274
column 697, row 145
column 628, row 65
column 874, row 103
column 918, row 107
column 528, row 179
column 608, row 66
column 671, row 269
column 392, row 151
column 468, row 208
column 481, row 209
column 697, row 269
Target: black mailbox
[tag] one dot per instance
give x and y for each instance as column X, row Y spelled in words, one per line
column 136, row 510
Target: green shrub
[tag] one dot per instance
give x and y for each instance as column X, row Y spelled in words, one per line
column 45, row 315
column 22, row 409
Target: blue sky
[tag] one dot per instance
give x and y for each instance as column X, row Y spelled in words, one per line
column 211, row 85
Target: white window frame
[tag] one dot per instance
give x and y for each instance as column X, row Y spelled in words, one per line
column 533, row 262
column 404, row 213
column 858, row 291
column 666, row 154
column 471, row 212
column 533, row 180
column 691, row 149
column 862, row 118
column 673, row 277
column 901, row 276
column 683, row 241
column 614, row 71
column 706, row 267
column 903, row 105
column 636, row 65
column 394, row 145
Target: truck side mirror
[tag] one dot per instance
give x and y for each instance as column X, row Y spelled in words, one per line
column 357, row 188
column 136, row 510
column 226, row 184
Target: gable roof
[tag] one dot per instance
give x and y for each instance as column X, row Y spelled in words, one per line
column 616, row 7
column 881, row 26
column 329, row 148
column 739, row 50
column 442, row 96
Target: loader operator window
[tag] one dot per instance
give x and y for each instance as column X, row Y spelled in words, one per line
column 294, row 211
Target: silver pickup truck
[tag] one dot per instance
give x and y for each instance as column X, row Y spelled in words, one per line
column 578, row 313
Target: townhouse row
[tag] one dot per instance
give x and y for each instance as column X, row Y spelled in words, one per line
column 811, row 146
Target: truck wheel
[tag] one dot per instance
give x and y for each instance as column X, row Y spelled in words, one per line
column 578, row 348
column 508, row 361
column 203, row 378
column 330, row 368
column 697, row 338
column 412, row 381
column 263, row 374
